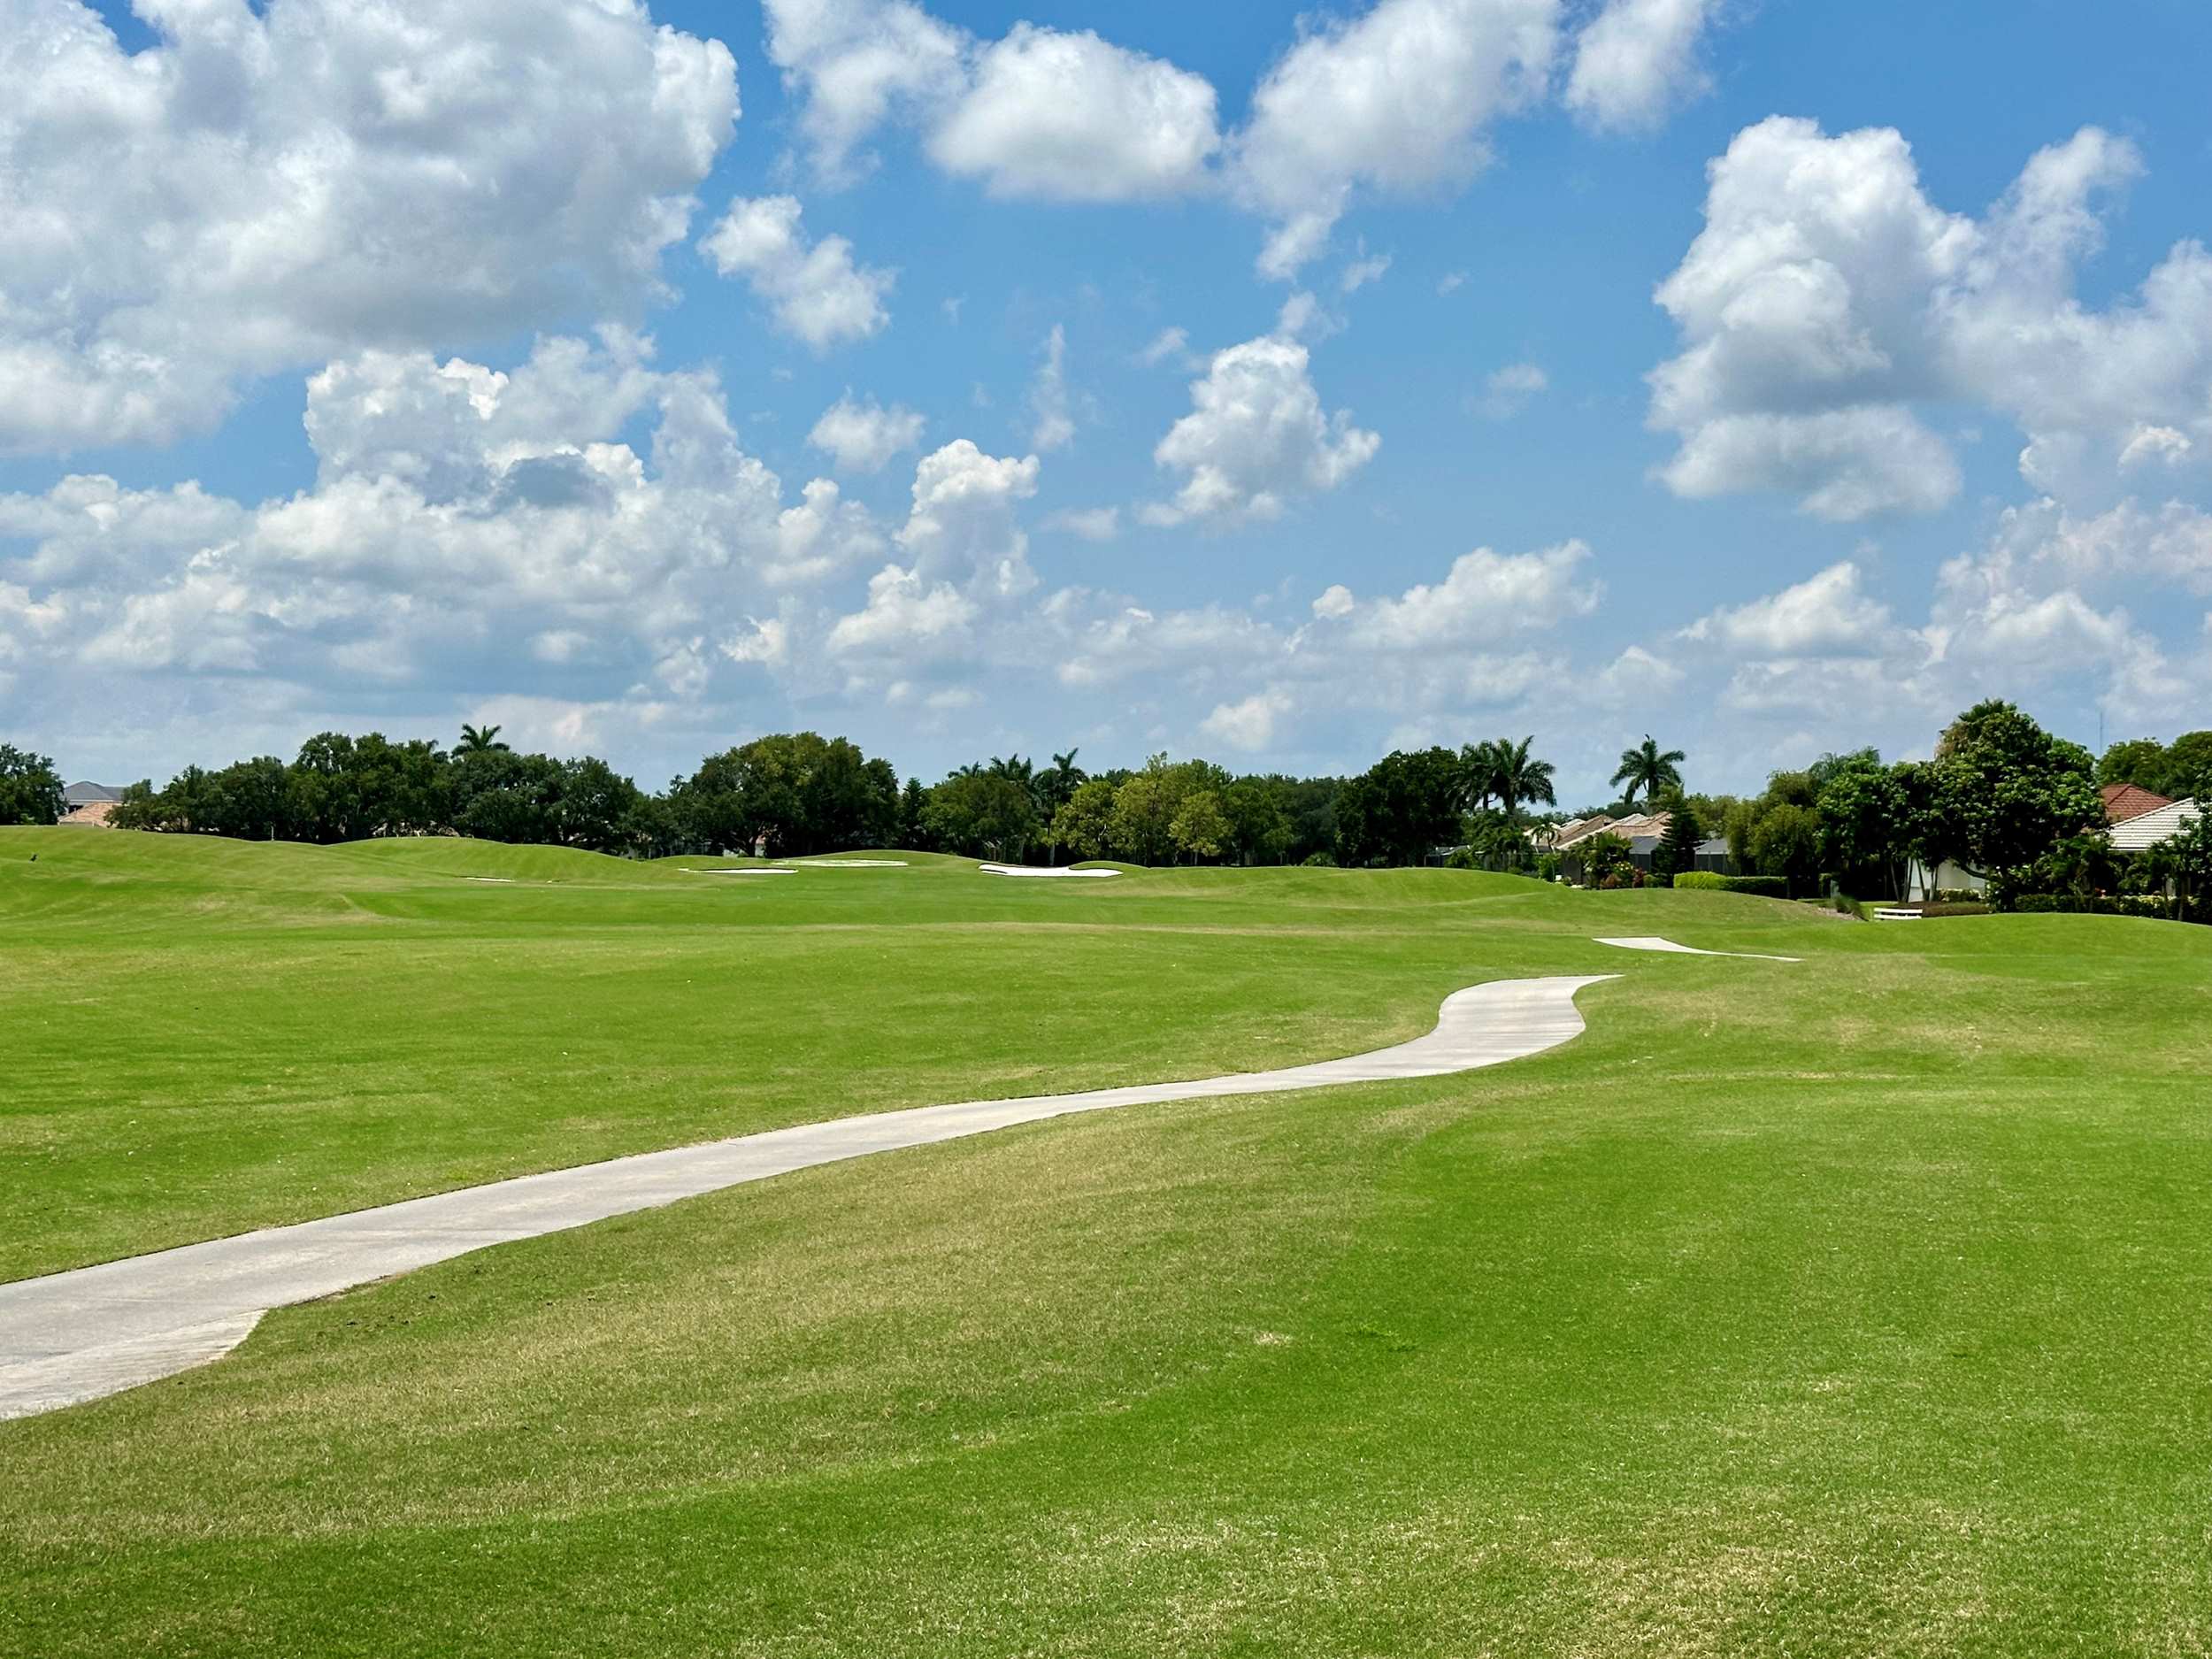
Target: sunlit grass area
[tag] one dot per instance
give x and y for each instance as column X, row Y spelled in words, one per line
column 1857, row 1306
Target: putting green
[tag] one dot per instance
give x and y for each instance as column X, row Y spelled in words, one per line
column 1851, row 1307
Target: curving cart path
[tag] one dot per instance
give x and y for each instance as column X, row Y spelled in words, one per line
column 1668, row 947
column 96, row 1331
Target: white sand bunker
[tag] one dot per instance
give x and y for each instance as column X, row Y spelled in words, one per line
column 739, row 870
column 501, row 881
column 1668, row 945
column 850, row 863
column 1033, row 870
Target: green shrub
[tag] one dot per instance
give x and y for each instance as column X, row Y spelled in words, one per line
column 2092, row 904
column 1708, row 881
column 1959, row 908
column 1763, row 887
column 1659, row 878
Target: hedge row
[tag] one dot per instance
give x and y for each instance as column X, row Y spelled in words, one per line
column 2144, row 904
column 1712, row 881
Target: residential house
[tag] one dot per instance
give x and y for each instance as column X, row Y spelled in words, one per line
column 2123, row 801
column 90, row 804
column 2146, row 830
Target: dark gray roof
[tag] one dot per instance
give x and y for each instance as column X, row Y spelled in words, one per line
column 86, row 793
column 1644, row 844
column 1715, row 849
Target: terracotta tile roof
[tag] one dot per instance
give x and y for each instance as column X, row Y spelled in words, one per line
column 2124, row 801
column 92, row 814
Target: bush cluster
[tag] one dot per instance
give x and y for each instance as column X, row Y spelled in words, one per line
column 2146, row 904
column 1712, row 881
column 1959, row 907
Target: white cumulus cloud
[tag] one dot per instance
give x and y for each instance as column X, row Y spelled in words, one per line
column 1249, row 724
column 1257, row 435
column 267, row 188
column 1637, row 59
column 1041, row 112
column 864, row 437
column 1826, row 614
column 1399, row 99
column 1071, row 118
column 817, row 294
column 1828, row 301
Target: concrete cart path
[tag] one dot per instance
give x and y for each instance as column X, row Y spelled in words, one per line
column 1670, row 948
column 95, row 1331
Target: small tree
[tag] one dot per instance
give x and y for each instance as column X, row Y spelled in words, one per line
column 30, row 788
column 1787, row 843
column 1085, row 822
column 1677, row 852
column 1143, row 823
column 2184, row 860
column 981, row 814
column 1863, row 814
column 2005, row 792
column 1259, row 828
column 1199, row 828
column 1602, row 856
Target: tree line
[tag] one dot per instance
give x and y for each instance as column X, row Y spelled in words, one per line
column 2011, row 804
column 2000, row 797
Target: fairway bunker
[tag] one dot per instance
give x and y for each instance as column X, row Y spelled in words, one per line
column 96, row 1331
column 1038, row 871
column 1668, row 948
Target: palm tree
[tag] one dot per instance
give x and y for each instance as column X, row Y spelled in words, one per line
column 479, row 739
column 1649, row 769
column 1521, row 779
column 1477, row 775
column 1057, row 782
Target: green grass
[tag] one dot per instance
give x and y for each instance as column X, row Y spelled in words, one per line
column 1852, row 1308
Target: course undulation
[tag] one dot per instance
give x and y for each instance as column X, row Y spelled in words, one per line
column 76, row 1336
column 1843, row 1308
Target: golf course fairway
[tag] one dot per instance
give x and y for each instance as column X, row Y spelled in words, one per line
column 1857, row 1304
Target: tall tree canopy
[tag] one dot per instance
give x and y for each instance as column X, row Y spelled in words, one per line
column 2003, row 791
column 792, row 794
column 1401, row 809
column 30, row 788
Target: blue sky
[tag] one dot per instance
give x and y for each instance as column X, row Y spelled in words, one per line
column 1774, row 378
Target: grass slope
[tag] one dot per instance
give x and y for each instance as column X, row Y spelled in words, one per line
column 1855, row 1308
column 206, row 1036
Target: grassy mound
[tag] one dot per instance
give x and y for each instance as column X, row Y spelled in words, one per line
column 1847, row 1308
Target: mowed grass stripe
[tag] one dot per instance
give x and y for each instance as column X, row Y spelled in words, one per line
column 211, row 1043
column 1851, row 1307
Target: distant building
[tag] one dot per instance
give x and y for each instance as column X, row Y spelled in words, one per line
column 2147, row 830
column 1950, row 878
column 2125, row 800
column 90, row 804
column 1630, row 829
